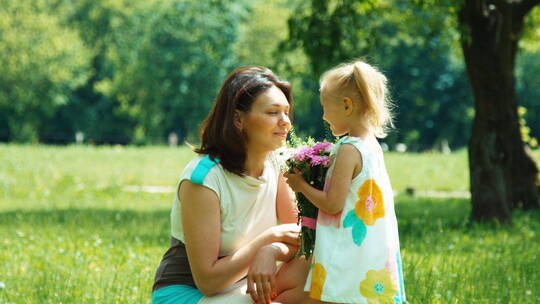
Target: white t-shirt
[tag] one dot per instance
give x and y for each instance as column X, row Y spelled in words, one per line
column 247, row 204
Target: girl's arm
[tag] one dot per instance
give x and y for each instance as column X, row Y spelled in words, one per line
column 201, row 223
column 348, row 165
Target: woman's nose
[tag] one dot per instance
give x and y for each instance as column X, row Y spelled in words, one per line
column 285, row 119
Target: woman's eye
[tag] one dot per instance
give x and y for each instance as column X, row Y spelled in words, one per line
column 278, row 113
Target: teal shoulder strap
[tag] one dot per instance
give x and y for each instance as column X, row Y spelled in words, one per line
column 342, row 141
column 203, row 167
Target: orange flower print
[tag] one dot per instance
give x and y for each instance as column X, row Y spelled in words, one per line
column 370, row 205
column 318, row 276
column 378, row 287
column 368, row 208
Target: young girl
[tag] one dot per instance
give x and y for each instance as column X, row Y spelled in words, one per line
column 356, row 257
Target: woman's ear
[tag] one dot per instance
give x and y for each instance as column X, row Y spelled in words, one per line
column 348, row 106
column 238, row 119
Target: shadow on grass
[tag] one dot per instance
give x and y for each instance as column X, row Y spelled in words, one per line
column 420, row 216
column 151, row 227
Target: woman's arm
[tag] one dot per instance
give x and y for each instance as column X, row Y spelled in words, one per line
column 262, row 272
column 286, row 209
column 201, row 223
column 287, row 213
column 348, row 165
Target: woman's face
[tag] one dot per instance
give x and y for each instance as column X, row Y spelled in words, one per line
column 267, row 123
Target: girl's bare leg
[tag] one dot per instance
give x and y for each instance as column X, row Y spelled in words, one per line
column 290, row 281
column 308, row 300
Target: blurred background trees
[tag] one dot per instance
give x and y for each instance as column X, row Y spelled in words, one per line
column 42, row 62
column 131, row 72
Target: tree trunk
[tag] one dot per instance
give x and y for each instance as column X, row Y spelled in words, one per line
column 502, row 175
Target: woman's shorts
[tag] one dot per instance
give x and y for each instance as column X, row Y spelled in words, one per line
column 184, row 294
column 176, row 294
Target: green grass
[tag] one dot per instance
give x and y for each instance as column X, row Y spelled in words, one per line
column 70, row 233
column 428, row 171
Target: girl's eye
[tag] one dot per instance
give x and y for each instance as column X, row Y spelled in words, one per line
column 273, row 113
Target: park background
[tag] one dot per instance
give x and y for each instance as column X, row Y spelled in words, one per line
column 88, row 222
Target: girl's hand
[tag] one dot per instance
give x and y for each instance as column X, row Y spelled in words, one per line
column 261, row 277
column 295, row 180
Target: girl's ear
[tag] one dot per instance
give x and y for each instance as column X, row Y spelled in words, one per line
column 238, row 119
column 348, row 106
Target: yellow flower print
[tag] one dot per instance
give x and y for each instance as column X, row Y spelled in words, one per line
column 378, row 287
column 318, row 276
column 370, row 205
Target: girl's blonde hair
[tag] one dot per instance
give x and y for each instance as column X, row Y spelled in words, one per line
column 365, row 85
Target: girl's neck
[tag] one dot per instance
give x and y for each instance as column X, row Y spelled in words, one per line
column 360, row 132
column 254, row 163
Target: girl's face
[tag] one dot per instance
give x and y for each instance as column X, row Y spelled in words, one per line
column 267, row 123
column 334, row 115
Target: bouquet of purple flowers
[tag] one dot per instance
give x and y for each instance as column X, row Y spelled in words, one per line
column 313, row 161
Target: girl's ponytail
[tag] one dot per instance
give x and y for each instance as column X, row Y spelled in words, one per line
column 372, row 88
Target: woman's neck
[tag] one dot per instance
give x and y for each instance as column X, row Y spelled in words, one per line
column 254, row 163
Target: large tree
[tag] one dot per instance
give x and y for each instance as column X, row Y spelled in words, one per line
column 502, row 175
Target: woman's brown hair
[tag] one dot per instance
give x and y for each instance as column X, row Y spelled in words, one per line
column 220, row 138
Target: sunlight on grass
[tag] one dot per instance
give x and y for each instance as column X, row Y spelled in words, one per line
column 428, row 171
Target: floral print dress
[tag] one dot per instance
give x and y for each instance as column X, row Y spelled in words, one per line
column 356, row 257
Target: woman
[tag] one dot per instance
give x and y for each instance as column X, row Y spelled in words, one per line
column 229, row 200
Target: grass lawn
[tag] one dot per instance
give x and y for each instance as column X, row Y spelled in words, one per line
column 71, row 233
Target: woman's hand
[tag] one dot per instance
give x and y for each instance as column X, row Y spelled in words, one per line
column 261, row 285
column 261, row 277
column 286, row 233
column 295, row 180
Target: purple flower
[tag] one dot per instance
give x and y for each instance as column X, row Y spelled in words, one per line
column 302, row 153
column 326, row 161
column 306, row 158
column 324, row 147
column 317, row 154
column 319, row 160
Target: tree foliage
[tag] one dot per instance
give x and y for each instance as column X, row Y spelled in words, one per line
column 131, row 71
column 413, row 47
column 41, row 63
column 149, row 67
column 180, row 62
